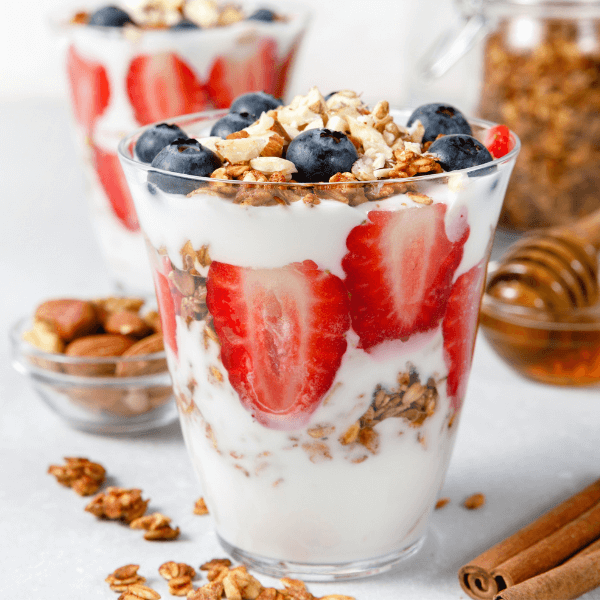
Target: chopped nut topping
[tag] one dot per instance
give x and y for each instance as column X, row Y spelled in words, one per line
column 118, row 504
column 200, row 507
column 123, row 577
column 157, row 527
column 474, row 502
column 84, row 476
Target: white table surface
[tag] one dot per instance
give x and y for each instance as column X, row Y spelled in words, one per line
column 525, row 446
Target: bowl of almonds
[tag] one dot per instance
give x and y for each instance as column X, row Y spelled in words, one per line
column 100, row 364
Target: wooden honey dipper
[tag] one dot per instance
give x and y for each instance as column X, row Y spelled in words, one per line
column 555, row 269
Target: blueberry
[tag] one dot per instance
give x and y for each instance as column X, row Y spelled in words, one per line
column 262, row 14
column 331, row 94
column 154, row 139
column 320, row 153
column 184, row 156
column 231, row 123
column 460, row 151
column 109, row 16
column 185, row 24
column 255, row 103
column 440, row 118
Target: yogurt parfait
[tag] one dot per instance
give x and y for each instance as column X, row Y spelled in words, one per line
column 319, row 272
column 146, row 60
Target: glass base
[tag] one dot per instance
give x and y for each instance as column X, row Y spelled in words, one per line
column 321, row 572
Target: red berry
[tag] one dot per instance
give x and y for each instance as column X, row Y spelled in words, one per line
column 245, row 69
column 115, row 187
column 282, row 334
column 459, row 328
column 498, row 141
column 166, row 308
column 399, row 270
column 162, row 86
column 90, row 90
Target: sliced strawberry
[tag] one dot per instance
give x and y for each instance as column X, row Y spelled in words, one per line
column 282, row 334
column 399, row 269
column 90, row 90
column 283, row 71
column 115, row 186
column 498, row 141
column 459, row 328
column 162, row 86
column 166, row 308
column 250, row 67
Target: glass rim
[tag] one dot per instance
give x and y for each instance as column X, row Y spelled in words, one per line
column 24, row 348
column 59, row 21
column 124, row 156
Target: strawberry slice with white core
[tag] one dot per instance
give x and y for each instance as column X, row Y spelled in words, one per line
column 459, row 328
column 399, row 270
column 282, row 334
column 166, row 308
column 90, row 90
column 248, row 68
column 160, row 86
column 115, row 187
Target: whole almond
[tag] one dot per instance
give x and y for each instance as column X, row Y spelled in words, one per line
column 69, row 318
column 126, row 322
column 149, row 345
column 100, row 346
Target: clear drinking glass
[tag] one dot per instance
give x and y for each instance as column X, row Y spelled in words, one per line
column 122, row 78
column 320, row 431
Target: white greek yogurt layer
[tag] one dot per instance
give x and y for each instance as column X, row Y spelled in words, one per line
column 274, row 493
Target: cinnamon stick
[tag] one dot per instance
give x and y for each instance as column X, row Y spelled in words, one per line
column 476, row 577
column 570, row 580
column 550, row 551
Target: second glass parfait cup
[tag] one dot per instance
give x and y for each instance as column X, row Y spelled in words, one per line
column 319, row 338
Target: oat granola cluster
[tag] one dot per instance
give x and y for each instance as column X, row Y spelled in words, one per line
column 224, row 581
column 81, row 474
column 549, row 94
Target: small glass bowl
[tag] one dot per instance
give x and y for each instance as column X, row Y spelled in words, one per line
column 556, row 349
column 102, row 402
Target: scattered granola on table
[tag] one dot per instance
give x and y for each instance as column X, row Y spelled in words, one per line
column 157, row 527
column 474, row 502
column 84, row 476
column 123, row 577
column 179, row 576
column 139, row 592
column 118, row 504
column 200, row 507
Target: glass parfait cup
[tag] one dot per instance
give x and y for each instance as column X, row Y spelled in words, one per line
column 123, row 78
column 320, row 427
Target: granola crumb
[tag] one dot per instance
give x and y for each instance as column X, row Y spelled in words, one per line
column 80, row 474
column 137, row 591
column 157, row 527
column 441, row 503
column 120, row 579
column 118, row 504
column 474, row 502
column 200, row 507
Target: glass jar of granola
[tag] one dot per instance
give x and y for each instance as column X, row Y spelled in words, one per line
column 541, row 77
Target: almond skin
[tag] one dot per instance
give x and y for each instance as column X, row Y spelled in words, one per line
column 126, row 322
column 69, row 318
column 101, row 345
column 149, row 345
